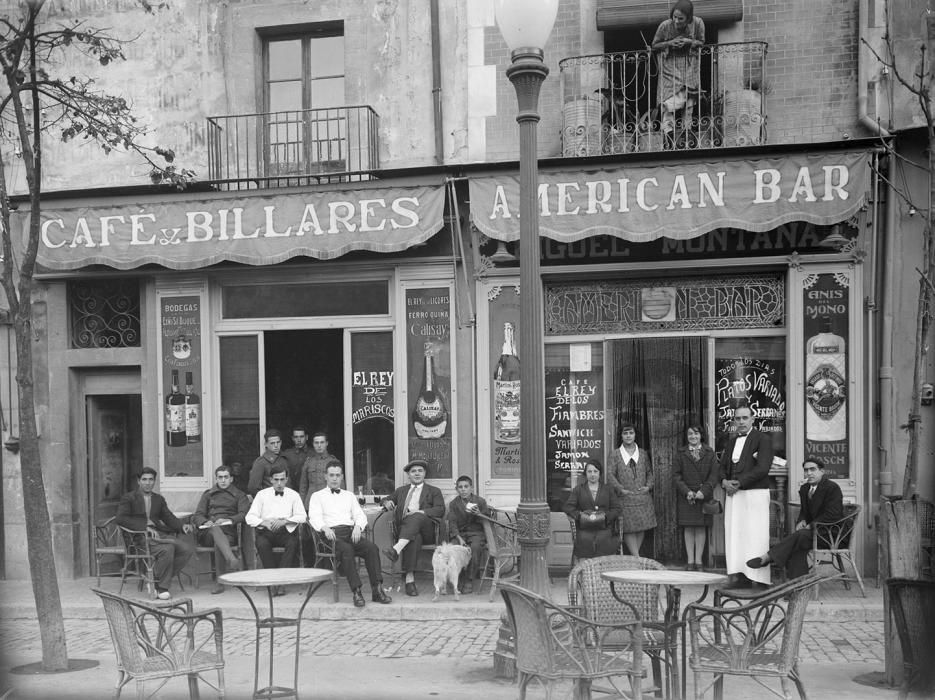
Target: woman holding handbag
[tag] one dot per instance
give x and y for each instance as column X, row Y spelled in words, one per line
column 696, row 472
column 594, row 508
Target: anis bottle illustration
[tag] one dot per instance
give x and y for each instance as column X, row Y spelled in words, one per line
column 506, row 390
column 175, row 414
column 192, row 411
column 430, row 416
column 825, row 391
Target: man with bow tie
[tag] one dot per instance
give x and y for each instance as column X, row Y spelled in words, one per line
column 416, row 508
column 276, row 514
column 822, row 502
column 744, row 471
column 465, row 527
column 336, row 514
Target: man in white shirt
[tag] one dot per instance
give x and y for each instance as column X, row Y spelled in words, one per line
column 336, row 514
column 276, row 514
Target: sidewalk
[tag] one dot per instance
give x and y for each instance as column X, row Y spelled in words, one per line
column 412, row 648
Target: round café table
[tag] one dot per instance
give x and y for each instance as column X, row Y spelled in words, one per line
column 673, row 580
column 271, row 579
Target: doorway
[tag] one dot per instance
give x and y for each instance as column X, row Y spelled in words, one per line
column 115, row 450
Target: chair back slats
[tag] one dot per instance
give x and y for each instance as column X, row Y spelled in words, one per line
column 534, row 652
column 586, row 588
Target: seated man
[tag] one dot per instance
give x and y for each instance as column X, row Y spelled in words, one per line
column 822, row 502
column 465, row 527
column 219, row 511
column 415, row 509
column 144, row 509
column 276, row 513
column 336, row 514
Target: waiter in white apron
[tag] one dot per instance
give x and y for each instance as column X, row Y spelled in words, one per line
column 745, row 465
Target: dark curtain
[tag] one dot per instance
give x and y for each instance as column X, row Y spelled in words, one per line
column 658, row 385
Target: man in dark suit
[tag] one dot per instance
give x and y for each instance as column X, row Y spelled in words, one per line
column 744, row 471
column 416, row 507
column 822, row 502
column 145, row 509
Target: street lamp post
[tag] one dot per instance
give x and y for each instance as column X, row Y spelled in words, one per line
column 525, row 26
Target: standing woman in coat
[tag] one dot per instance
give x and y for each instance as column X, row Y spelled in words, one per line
column 695, row 470
column 585, row 500
column 631, row 476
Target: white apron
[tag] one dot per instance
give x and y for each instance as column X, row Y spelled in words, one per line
column 746, row 532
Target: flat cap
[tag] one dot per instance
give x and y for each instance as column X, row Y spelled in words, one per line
column 416, row 463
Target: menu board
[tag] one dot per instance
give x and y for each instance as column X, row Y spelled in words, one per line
column 574, row 420
column 180, row 326
column 428, row 354
column 825, row 307
column 755, row 382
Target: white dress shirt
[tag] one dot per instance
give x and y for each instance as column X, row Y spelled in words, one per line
column 413, row 497
column 268, row 506
column 327, row 509
column 738, row 448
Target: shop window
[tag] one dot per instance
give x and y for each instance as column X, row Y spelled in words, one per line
column 240, row 404
column 356, row 298
column 303, row 86
column 104, row 313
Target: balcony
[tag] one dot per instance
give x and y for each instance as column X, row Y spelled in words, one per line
column 612, row 104
column 295, row 148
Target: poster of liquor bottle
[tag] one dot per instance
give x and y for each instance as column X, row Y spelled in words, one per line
column 504, row 357
column 825, row 324
column 180, row 326
column 428, row 353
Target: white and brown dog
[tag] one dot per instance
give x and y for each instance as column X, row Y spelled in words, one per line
column 447, row 563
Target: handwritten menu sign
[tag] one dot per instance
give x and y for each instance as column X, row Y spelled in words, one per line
column 755, row 382
column 180, row 331
column 574, row 419
column 428, row 356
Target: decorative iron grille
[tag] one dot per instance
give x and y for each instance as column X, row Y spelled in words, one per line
column 677, row 304
column 104, row 313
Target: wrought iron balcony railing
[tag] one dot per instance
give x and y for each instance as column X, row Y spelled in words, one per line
column 712, row 96
column 285, row 149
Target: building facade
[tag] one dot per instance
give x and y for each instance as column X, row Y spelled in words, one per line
column 347, row 262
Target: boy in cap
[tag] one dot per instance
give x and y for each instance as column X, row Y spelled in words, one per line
column 415, row 509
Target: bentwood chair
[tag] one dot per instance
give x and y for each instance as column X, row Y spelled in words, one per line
column 836, row 540
column 755, row 638
column 554, row 644
column 325, row 552
column 591, row 594
column 138, row 559
column 108, row 544
column 914, row 614
column 164, row 642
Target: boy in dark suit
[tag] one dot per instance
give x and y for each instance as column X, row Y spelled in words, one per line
column 144, row 509
column 416, row 507
column 822, row 502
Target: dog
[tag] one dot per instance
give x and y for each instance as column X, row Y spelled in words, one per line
column 447, row 563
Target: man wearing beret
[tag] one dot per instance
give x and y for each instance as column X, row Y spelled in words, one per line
column 415, row 507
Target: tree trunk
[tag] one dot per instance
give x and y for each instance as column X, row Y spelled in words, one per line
column 38, row 522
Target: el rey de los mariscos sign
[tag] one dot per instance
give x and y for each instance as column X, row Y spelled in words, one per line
column 256, row 229
column 680, row 201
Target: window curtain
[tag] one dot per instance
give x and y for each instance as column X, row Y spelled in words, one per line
column 658, row 384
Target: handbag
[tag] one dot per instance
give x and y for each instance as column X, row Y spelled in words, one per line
column 712, row 507
column 592, row 520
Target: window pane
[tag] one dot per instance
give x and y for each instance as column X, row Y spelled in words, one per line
column 285, row 96
column 240, row 404
column 300, row 300
column 328, row 92
column 285, row 59
column 327, row 54
column 372, row 411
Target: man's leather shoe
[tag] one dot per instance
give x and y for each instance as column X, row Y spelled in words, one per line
column 391, row 554
column 380, row 596
column 735, row 581
column 411, row 588
column 758, row 562
column 358, row 599
column 162, row 593
column 218, row 588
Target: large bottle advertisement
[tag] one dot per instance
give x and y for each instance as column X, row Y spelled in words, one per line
column 180, row 326
column 505, row 389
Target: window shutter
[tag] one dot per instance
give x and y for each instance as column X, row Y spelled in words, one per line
column 613, row 15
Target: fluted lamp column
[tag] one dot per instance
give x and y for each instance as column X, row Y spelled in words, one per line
column 525, row 26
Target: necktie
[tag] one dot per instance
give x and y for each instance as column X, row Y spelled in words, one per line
column 632, row 465
column 412, row 490
column 279, row 493
column 335, row 490
column 811, row 490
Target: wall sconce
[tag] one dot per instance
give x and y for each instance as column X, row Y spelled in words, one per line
column 501, row 255
column 12, row 444
column 912, row 210
column 927, row 393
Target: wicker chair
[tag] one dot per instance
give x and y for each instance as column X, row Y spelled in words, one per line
column 107, row 543
column 138, row 559
column 835, row 540
column 440, row 536
column 324, row 552
column 554, row 645
column 212, row 569
column 591, row 594
column 756, row 638
column 502, row 554
column 165, row 642
column 913, row 604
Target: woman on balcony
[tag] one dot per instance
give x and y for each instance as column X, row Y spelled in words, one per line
column 677, row 44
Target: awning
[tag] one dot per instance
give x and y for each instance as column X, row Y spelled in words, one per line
column 184, row 233
column 681, row 200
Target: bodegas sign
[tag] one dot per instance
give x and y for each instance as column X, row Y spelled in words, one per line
column 682, row 200
column 256, row 229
